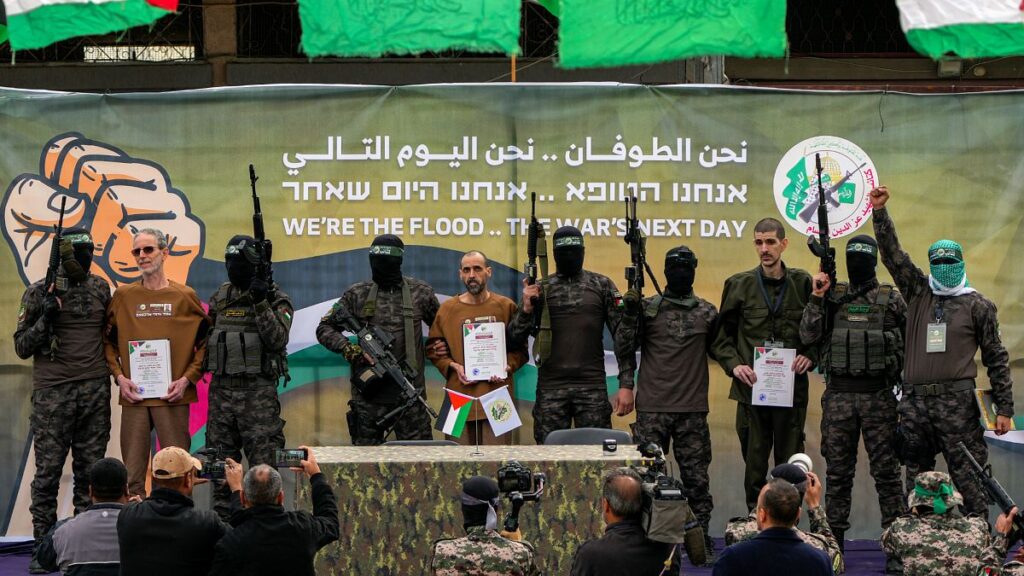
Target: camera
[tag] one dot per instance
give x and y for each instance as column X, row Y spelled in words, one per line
column 803, row 461
column 667, row 516
column 519, row 484
column 213, row 464
column 290, row 457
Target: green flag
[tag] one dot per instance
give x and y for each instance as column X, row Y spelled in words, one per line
column 596, row 33
column 376, row 27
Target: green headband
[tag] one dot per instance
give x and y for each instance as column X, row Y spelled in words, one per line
column 384, row 250
column 945, row 249
column 78, row 238
column 861, row 248
column 938, row 497
column 569, row 241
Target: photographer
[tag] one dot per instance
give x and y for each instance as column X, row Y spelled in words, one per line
column 482, row 550
column 268, row 540
column 819, row 533
column 165, row 534
column 624, row 548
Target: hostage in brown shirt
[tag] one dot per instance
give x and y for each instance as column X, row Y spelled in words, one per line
column 155, row 308
column 445, row 346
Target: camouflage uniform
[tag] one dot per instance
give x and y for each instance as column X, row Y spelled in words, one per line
column 946, row 543
column 245, row 412
column 852, row 406
column 482, row 552
column 673, row 335
column 933, row 412
column 366, row 408
column 571, row 387
column 71, row 393
column 820, row 535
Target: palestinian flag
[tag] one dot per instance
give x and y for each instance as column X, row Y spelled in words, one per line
column 38, row 23
column 967, row 28
column 454, row 412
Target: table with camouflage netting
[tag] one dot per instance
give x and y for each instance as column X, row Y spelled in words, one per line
column 395, row 501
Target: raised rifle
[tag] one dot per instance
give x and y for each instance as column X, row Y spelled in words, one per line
column 376, row 345
column 264, row 248
column 821, row 246
column 637, row 250
column 55, row 280
column 534, row 237
column 995, row 491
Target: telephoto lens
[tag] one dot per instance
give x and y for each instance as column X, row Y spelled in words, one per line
column 803, row 461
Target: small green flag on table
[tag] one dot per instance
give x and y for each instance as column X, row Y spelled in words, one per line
column 595, row 33
column 376, row 27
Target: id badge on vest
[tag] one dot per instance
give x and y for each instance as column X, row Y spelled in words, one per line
column 774, row 344
column 936, row 338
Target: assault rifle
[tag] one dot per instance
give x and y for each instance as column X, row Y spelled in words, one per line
column 820, row 246
column 534, row 236
column 376, row 345
column 264, row 248
column 995, row 491
column 637, row 251
column 55, row 280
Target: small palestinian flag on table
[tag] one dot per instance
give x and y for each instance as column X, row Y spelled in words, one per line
column 454, row 412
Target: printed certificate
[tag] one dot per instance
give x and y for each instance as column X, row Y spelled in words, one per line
column 149, row 363
column 484, row 350
column 774, row 370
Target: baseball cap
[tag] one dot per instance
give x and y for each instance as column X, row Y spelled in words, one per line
column 174, row 462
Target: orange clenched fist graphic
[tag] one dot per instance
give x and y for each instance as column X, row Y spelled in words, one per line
column 110, row 193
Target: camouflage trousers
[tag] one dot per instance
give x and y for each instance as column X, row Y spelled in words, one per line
column 76, row 417
column 562, row 408
column 413, row 424
column 940, row 422
column 691, row 445
column 845, row 417
column 244, row 415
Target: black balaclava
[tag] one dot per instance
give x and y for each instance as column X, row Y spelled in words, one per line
column 861, row 259
column 240, row 258
column 386, row 260
column 680, row 270
column 568, row 251
column 76, row 253
column 479, row 502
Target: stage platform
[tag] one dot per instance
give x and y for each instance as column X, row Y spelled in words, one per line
column 863, row 557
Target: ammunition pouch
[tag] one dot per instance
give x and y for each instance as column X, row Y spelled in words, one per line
column 237, row 353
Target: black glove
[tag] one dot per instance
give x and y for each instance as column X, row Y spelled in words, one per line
column 51, row 308
column 258, row 289
column 631, row 301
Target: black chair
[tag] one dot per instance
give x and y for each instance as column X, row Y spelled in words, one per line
column 584, row 436
column 421, row 443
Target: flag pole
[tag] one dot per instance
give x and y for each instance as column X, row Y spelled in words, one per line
column 513, row 68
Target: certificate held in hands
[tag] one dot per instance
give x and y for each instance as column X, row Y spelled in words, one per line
column 483, row 344
column 149, row 362
column 774, row 370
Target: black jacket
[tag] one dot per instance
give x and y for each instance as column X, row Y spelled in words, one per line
column 165, row 535
column 267, row 540
column 773, row 552
column 624, row 550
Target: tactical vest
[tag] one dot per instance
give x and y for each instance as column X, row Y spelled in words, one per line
column 235, row 347
column 370, row 309
column 861, row 347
